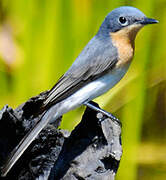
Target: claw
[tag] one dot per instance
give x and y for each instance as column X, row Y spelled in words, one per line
column 103, row 112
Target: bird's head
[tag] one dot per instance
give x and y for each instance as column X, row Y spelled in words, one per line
column 125, row 21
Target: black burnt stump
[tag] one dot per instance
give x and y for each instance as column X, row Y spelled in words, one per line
column 92, row 151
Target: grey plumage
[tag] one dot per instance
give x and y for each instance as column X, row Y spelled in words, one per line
column 97, row 58
column 111, row 23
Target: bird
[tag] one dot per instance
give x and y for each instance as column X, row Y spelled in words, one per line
column 99, row 67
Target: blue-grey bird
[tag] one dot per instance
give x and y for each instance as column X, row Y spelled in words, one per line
column 101, row 65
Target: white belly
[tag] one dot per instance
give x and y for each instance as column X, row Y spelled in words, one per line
column 89, row 92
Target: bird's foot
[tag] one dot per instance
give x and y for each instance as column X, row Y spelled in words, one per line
column 102, row 114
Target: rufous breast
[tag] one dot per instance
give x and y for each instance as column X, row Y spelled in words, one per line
column 123, row 40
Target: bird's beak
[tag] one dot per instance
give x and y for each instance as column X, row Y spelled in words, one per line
column 146, row 21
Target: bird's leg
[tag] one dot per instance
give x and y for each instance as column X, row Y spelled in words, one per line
column 102, row 113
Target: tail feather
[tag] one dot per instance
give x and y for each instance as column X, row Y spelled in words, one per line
column 23, row 145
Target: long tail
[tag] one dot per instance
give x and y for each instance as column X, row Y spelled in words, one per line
column 25, row 142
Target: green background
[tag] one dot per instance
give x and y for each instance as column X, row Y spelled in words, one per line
column 40, row 39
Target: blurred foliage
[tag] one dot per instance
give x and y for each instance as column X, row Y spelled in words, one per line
column 40, row 39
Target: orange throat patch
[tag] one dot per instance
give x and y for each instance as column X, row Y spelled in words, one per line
column 123, row 40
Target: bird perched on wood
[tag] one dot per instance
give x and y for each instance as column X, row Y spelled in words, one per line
column 101, row 65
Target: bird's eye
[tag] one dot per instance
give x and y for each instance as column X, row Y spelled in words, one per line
column 123, row 20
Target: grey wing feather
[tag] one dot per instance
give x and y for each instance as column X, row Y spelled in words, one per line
column 97, row 58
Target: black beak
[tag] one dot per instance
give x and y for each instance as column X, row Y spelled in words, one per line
column 146, row 21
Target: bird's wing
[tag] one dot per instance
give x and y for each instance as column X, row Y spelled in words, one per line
column 95, row 60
